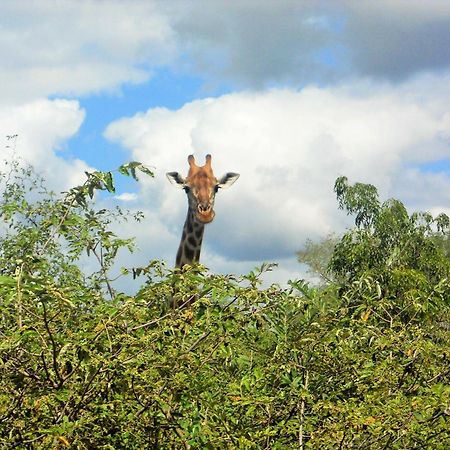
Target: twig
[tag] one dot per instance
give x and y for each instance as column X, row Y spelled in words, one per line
column 302, row 413
column 19, row 296
column 176, row 428
column 200, row 339
column 144, row 325
column 47, row 373
column 103, row 270
column 86, row 389
column 54, row 347
column 61, row 222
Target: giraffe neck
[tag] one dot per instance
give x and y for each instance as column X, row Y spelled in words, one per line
column 191, row 241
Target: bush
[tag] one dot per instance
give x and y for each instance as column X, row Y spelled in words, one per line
column 234, row 366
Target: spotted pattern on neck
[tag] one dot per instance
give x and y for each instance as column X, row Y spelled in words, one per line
column 191, row 241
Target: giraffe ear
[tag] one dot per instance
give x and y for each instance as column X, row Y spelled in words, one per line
column 227, row 180
column 176, row 179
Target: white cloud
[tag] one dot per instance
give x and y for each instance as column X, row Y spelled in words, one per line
column 127, row 197
column 79, row 46
column 43, row 128
column 70, row 48
column 289, row 147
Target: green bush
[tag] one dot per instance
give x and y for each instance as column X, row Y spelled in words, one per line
column 362, row 363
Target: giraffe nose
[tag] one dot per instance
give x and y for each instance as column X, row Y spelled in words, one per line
column 204, row 207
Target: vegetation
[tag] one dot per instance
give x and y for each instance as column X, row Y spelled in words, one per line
column 360, row 362
column 317, row 257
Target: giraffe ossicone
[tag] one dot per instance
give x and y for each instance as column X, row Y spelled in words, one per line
column 201, row 187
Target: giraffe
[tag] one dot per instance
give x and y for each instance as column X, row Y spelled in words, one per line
column 201, row 187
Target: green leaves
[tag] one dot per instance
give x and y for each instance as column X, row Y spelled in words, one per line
column 130, row 168
column 388, row 239
column 317, row 256
column 359, row 362
column 130, row 373
column 105, row 181
column 99, row 181
column 6, row 281
column 49, row 233
column 360, row 199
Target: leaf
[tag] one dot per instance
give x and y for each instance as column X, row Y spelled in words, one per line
column 366, row 315
column 7, row 281
column 146, row 170
column 123, row 169
column 370, row 420
column 64, row 441
column 129, row 169
column 109, row 182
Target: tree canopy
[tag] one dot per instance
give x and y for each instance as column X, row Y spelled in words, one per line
column 360, row 361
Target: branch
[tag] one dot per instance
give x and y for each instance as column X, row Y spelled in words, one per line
column 302, row 413
column 54, row 347
column 103, row 270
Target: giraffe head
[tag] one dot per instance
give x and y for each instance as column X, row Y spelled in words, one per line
column 201, row 187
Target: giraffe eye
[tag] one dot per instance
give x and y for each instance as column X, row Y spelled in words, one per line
column 216, row 188
column 186, row 189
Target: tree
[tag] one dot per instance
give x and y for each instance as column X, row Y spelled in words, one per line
column 317, row 256
column 396, row 252
column 45, row 234
column 237, row 367
column 386, row 237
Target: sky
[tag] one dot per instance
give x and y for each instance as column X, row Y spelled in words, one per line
column 290, row 94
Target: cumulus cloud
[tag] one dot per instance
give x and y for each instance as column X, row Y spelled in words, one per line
column 255, row 44
column 127, row 197
column 79, row 46
column 289, row 147
column 70, row 48
column 43, row 128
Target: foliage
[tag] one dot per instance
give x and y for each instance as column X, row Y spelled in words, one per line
column 233, row 366
column 45, row 234
column 404, row 253
column 317, row 256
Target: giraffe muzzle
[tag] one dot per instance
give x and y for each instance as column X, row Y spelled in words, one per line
column 205, row 213
column 204, row 208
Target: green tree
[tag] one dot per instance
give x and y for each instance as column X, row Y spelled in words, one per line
column 386, row 237
column 46, row 234
column 317, row 256
column 397, row 252
column 232, row 366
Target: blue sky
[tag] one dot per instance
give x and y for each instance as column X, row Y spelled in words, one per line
column 165, row 89
column 289, row 94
